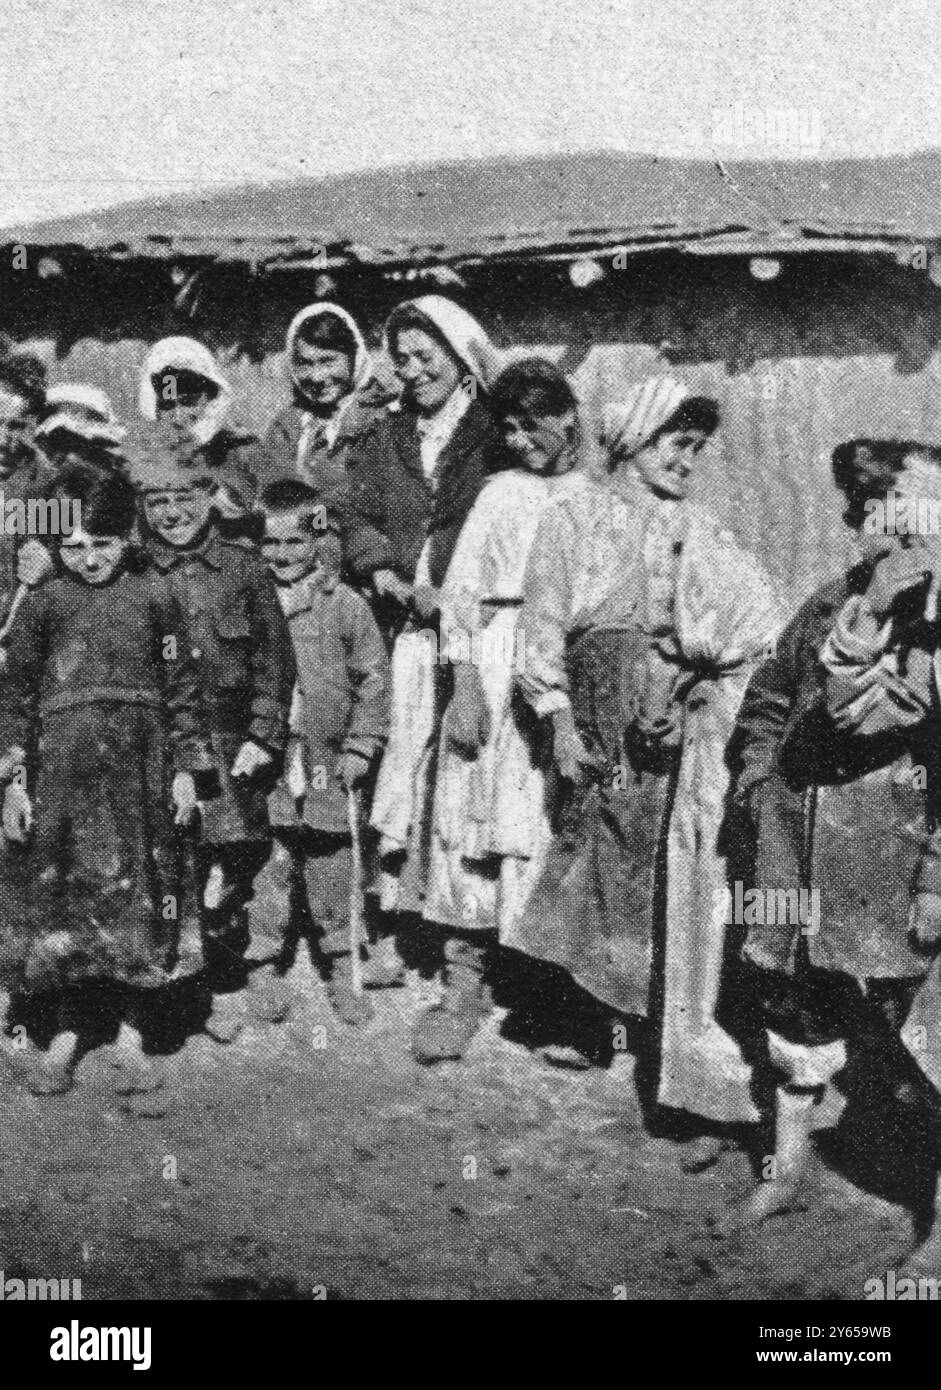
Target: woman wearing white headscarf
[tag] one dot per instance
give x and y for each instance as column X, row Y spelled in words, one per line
column 413, row 478
column 335, row 394
column 188, row 399
column 641, row 619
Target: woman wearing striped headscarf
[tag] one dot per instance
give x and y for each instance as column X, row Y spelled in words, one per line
column 641, row 618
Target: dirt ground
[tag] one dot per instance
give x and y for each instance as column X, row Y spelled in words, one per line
column 276, row 1167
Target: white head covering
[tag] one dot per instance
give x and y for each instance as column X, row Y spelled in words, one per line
column 919, row 478
column 362, row 362
column 83, row 410
column 627, row 426
column 462, row 333
column 186, row 355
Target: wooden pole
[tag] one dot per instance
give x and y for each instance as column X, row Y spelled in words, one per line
column 357, row 926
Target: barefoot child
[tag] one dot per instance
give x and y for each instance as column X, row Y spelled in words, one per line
column 339, row 722
column 100, row 730
column 240, row 642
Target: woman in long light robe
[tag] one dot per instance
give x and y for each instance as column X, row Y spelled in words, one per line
column 490, row 820
column 641, row 620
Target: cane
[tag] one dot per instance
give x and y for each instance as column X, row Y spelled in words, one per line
column 357, row 933
column 21, row 591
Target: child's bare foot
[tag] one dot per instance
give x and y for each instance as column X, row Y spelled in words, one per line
column 383, row 967
column 137, row 1074
column 226, row 1021
column 352, row 1009
column 51, row 1073
column 269, row 998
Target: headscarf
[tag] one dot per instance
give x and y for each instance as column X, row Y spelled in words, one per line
column 186, row 355
column 628, row 425
column 82, row 410
column 362, row 362
column 920, row 478
column 460, row 330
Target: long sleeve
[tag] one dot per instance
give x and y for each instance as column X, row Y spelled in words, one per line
column 26, row 654
column 273, row 667
column 763, row 714
column 366, row 545
column 725, row 611
column 461, row 592
column 189, row 738
column 547, row 613
column 864, row 692
column 368, row 667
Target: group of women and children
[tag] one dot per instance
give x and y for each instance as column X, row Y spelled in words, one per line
column 416, row 640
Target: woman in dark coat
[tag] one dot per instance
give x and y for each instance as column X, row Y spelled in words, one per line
column 335, row 396
column 836, row 761
column 413, row 480
column 188, row 400
column 417, row 471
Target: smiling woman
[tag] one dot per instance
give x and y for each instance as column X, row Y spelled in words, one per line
column 641, row 619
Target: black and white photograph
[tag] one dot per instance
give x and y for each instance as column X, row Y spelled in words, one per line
column 470, row 660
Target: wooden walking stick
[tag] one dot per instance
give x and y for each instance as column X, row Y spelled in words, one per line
column 21, row 591
column 357, row 931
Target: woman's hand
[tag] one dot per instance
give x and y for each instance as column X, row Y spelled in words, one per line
column 468, row 715
column 183, row 795
column 924, row 921
column 352, row 769
column 571, row 757
column 387, row 584
column 897, row 574
column 426, row 601
column 250, row 758
column 17, row 814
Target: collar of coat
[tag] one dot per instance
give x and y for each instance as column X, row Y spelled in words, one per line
column 300, row 596
column 471, row 431
column 209, row 551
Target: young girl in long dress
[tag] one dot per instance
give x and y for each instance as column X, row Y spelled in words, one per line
column 100, row 732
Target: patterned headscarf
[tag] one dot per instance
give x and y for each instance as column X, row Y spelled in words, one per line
column 628, row 425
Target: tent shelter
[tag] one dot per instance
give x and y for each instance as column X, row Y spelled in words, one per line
column 804, row 295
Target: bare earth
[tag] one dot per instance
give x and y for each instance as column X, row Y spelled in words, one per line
column 342, row 1169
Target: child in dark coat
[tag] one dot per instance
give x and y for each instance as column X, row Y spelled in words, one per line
column 240, row 643
column 100, row 731
column 338, row 726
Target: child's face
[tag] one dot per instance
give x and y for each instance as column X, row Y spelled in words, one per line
column 179, row 516
column 291, row 549
column 93, row 559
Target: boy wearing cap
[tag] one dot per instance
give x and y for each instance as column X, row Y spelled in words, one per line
column 338, row 725
column 242, row 649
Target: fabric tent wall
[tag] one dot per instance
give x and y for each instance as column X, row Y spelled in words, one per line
column 836, row 346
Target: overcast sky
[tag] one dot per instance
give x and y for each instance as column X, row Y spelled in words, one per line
column 106, row 100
